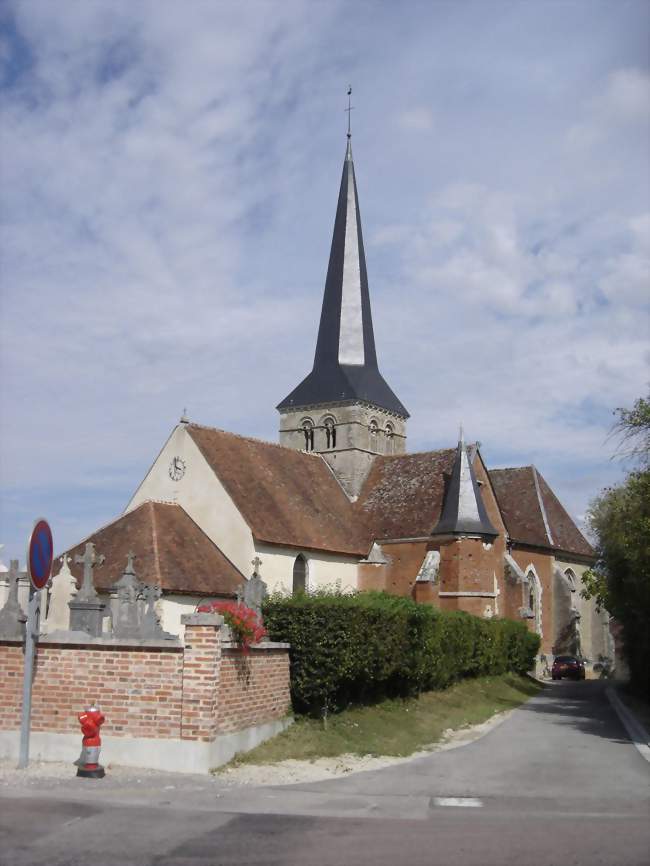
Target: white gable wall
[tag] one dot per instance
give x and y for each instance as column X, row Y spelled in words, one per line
column 200, row 493
column 324, row 569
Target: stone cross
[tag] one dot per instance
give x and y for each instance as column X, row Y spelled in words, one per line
column 14, row 576
column 255, row 590
column 86, row 608
column 151, row 627
column 89, row 560
column 12, row 616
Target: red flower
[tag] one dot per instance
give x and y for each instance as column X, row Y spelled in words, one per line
column 246, row 625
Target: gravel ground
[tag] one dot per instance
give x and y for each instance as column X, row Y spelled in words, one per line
column 49, row 776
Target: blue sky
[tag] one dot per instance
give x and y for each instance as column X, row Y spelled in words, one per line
column 169, row 176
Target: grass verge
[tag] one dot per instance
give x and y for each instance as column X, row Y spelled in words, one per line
column 395, row 727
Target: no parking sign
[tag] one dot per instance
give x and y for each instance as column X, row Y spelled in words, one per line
column 40, row 553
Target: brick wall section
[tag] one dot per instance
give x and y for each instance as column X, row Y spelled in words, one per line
column 192, row 692
column 11, row 684
column 252, row 687
column 201, row 674
column 398, row 576
column 139, row 689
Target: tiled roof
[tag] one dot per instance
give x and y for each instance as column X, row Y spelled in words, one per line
column 286, row 497
column 402, row 495
column 170, row 550
column 527, row 513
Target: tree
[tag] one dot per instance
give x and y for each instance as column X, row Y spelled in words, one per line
column 620, row 521
column 633, row 430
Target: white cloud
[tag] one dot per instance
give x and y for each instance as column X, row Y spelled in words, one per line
column 169, row 178
column 621, row 103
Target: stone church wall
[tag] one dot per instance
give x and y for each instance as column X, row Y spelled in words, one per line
column 596, row 639
column 399, row 574
column 323, row 569
column 542, row 565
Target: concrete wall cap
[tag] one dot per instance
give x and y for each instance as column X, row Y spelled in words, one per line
column 201, row 619
column 265, row 645
column 80, row 638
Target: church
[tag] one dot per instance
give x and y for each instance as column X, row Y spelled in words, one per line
column 341, row 503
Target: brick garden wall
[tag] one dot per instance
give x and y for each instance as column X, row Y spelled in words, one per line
column 139, row 690
column 191, row 692
column 251, row 687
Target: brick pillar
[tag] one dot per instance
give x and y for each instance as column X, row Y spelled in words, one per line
column 201, row 665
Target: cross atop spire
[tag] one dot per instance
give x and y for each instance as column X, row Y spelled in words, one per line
column 349, row 110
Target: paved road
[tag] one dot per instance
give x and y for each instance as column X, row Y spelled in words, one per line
column 557, row 783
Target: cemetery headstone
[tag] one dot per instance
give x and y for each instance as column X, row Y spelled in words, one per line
column 12, row 616
column 86, row 608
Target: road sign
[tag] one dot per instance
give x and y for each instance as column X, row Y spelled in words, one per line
column 40, row 553
column 39, row 567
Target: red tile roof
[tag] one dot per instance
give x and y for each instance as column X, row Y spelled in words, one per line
column 286, row 497
column 524, row 510
column 170, row 549
column 402, row 495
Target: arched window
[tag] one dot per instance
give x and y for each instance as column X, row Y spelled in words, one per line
column 308, row 432
column 373, row 429
column 300, row 574
column 330, row 432
column 390, row 438
column 571, row 579
column 535, row 598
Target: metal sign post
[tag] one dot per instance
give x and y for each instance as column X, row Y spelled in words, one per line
column 40, row 553
column 31, row 636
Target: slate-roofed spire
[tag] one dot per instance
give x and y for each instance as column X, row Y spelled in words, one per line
column 463, row 512
column 345, row 364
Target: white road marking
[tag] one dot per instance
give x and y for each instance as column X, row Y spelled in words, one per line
column 470, row 802
column 631, row 724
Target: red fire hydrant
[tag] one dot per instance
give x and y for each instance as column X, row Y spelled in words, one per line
column 87, row 763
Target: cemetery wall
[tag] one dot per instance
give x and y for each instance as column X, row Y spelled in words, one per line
column 198, row 694
column 252, row 687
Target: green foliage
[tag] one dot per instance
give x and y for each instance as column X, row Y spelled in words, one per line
column 364, row 647
column 620, row 521
column 633, row 430
column 620, row 581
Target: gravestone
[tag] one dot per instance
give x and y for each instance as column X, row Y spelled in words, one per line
column 64, row 587
column 127, row 607
column 151, row 627
column 134, row 607
column 86, row 608
column 255, row 590
column 12, row 616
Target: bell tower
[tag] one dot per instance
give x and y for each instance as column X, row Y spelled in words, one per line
column 344, row 409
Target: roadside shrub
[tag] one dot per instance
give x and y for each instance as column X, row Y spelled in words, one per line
column 367, row 646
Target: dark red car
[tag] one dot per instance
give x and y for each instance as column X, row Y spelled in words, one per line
column 567, row 666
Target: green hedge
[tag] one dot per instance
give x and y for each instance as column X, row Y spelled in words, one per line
column 363, row 647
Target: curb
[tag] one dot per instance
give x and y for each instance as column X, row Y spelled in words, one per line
column 636, row 732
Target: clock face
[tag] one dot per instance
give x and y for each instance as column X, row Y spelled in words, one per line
column 176, row 469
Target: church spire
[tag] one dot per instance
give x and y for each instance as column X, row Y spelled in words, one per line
column 463, row 512
column 345, row 364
